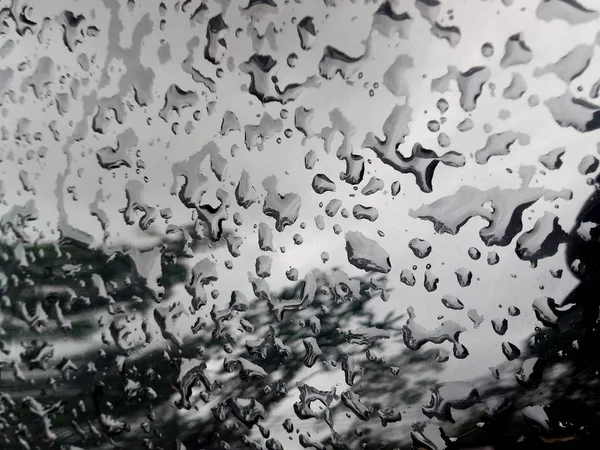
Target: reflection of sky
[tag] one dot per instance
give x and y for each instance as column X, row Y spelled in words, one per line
column 494, row 288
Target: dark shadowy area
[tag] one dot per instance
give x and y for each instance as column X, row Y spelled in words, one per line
column 203, row 387
column 161, row 387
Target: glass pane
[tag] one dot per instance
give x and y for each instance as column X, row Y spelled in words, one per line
column 299, row 224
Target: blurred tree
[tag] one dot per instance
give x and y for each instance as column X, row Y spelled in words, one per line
column 94, row 354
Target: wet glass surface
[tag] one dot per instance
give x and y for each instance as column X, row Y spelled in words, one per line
column 294, row 224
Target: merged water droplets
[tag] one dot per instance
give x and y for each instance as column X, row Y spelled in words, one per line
column 366, row 254
column 200, row 280
column 416, row 336
column 283, row 208
column 448, row 396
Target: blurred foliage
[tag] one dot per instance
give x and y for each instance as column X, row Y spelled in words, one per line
column 91, row 367
column 74, row 385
